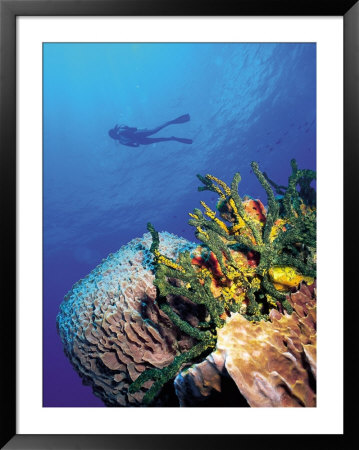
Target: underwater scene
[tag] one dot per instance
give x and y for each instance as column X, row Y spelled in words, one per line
column 179, row 224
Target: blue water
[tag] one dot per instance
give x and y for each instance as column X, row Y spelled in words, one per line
column 247, row 102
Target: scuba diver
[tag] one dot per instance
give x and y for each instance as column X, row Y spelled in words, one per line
column 133, row 137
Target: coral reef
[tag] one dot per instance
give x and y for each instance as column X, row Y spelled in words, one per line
column 163, row 308
column 272, row 362
column 247, row 265
column 112, row 328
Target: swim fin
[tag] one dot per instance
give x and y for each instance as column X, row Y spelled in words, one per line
column 183, row 140
column 181, row 119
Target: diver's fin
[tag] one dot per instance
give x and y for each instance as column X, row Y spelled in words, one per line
column 183, row 140
column 182, row 119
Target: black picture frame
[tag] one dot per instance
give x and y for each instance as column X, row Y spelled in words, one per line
column 9, row 10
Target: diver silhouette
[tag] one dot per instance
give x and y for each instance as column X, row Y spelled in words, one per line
column 133, row 137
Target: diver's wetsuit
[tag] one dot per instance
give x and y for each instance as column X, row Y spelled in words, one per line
column 132, row 137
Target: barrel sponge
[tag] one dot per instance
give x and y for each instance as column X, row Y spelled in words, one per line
column 273, row 363
column 112, row 328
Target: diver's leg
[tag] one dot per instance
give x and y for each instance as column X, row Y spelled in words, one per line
column 147, row 140
column 183, row 140
column 145, row 133
column 181, row 119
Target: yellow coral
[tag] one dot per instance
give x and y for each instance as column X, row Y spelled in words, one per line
column 212, row 215
column 240, row 274
column 194, row 216
column 220, row 183
column 167, row 262
column 255, row 283
column 221, row 224
column 271, row 300
column 241, row 225
column 237, row 227
column 238, row 218
column 199, row 229
column 233, row 273
column 209, row 212
column 276, row 228
column 241, row 263
column 284, row 278
column 232, row 293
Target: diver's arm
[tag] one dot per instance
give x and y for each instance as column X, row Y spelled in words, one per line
column 125, row 130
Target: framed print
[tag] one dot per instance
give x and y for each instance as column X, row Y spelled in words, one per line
column 174, row 182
